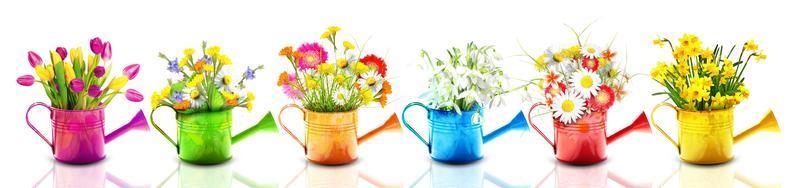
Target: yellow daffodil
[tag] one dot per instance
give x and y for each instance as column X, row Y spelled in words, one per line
column 325, row 35
column 707, row 54
column 117, row 83
column 326, row 69
column 658, row 42
column 711, row 68
column 334, row 29
column 761, row 56
column 223, row 59
column 341, row 62
column 213, row 51
column 188, row 52
column 751, row 45
column 348, row 46
column 155, row 100
column 683, row 68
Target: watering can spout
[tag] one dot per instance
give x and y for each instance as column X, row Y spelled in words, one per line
column 639, row 125
column 391, row 124
column 518, row 123
column 768, row 123
column 139, row 122
column 267, row 124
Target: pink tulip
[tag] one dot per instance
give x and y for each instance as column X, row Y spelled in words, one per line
column 131, row 71
column 106, row 52
column 94, row 91
column 133, row 95
column 99, row 71
column 25, row 80
column 97, row 45
column 62, row 52
column 76, row 85
column 34, row 59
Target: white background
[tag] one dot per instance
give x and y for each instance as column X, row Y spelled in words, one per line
column 252, row 33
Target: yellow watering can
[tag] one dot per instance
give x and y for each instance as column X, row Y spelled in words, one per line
column 706, row 137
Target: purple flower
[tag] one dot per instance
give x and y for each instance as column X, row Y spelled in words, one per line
column 133, row 95
column 106, row 51
column 177, row 96
column 249, row 74
column 173, row 66
column 62, row 52
column 131, row 71
column 99, row 71
column 94, row 91
column 76, row 85
column 25, row 80
column 34, row 59
column 97, row 45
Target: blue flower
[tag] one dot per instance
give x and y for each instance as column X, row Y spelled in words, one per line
column 249, row 74
column 173, row 66
column 177, row 96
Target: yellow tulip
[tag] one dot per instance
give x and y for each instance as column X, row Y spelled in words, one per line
column 43, row 73
column 76, row 55
column 69, row 72
column 118, row 82
column 55, row 57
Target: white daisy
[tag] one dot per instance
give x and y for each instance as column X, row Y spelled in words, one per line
column 196, row 100
column 585, row 83
column 568, row 107
column 590, row 51
column 224, row 81
column 341, row 96
column 372, row 80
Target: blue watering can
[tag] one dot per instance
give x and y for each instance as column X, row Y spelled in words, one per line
column 458, row 138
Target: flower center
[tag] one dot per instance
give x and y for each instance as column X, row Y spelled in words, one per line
column 568, row 106
column 586, row 81
column 602, row 98
column 371, row 81
column 226, row 80
column 590, row 50
column 311, row 59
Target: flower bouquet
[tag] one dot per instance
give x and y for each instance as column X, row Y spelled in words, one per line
column 79, row 89
column 580, row 85
column 331, row 91
column 203, row 96
column 704, row 84
column 458, row 91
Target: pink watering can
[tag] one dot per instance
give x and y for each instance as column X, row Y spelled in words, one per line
column 79, row 135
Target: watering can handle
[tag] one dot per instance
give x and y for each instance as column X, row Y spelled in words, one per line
column 152, row 121
column 530, row 121
column 409, row 126
column 34, row 128
column 663, row 104
column 280, row 122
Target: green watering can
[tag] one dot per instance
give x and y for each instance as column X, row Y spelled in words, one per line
column 205, row 137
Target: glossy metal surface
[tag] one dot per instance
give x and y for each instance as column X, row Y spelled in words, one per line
column 331, row 138
column 79, row 135
column 706, row 137
column 584, row 142
column 205, row 137
column 458, row 138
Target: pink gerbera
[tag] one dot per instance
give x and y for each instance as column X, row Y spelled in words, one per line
column 312, row 55
column 292, row 92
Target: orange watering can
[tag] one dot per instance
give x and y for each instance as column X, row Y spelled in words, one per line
column 331, row 137
column 706, row 137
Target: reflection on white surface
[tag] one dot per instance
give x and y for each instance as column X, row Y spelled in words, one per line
column 220, row 175
column 460, row 175
column 597, row 175
column 723, row 175
column 85, row 176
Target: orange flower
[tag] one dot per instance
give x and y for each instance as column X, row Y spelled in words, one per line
column 383, row 100
column 297, row 54
column 283, row 78
column 286, row 51
column 387, row 88
column 199, row 65
column 232, row 102
column 183, row 105
column 358, row 86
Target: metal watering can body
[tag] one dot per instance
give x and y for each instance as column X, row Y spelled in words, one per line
column 331, row 138
column 458, row 138
column 584, row 142
column 205, row 137
column 706, row 137
column 79, row 135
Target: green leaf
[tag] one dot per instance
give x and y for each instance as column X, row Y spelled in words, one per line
column 58, row 69
column 217, row 101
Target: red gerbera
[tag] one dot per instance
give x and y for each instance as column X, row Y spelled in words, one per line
column 555, row 89
column 590, row 63
column 603, row 100
column 375, row 62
